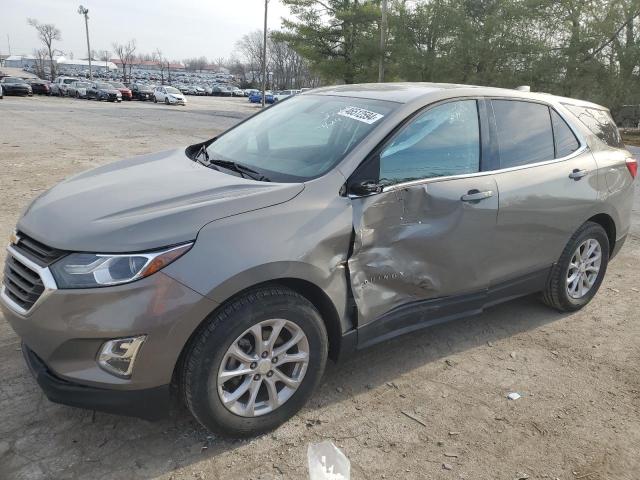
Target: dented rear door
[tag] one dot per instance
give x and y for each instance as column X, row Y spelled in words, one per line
column 425, row 238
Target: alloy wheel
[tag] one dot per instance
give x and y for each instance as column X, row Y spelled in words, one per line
column 263, row 368
column 584, row 268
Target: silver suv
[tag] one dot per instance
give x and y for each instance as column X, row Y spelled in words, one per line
column 337, row 219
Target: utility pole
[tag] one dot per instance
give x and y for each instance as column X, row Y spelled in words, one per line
column 9, row 43
column 264, row 54
column 383, row 31
column 85, row 12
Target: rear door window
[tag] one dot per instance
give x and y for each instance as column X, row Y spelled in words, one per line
column 566, row 141
column 442, row 141
column 600, row 123
column 525, row 134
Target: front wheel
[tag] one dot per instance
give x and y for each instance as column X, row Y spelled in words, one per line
column 255, row 362
column 166, row 101
column 579, row 272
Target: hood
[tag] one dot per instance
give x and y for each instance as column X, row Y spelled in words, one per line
column 143, row 203
column 109, row 90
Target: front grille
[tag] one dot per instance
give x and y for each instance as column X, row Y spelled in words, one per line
column 22, row 285
column 40, row 253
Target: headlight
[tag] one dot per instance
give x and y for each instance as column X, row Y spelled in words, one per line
column 88, row 270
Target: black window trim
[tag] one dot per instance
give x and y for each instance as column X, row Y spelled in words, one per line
column 484, row 142
column 582, row 143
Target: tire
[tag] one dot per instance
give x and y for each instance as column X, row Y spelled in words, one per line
column 556, row 294
column 155, row 99
column 205, row 353
column 77, row 95
column 166, row 101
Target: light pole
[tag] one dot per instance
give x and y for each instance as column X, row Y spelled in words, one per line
column 85, row 11
column 383, row 31
column 264, row 54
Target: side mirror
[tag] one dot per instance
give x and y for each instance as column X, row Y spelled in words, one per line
column 364, row 188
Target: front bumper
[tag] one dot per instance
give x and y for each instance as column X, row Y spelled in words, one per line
column 67, row 328
column 150, row 404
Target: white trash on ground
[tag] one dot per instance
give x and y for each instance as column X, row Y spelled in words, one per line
column 327, row 462
column 514, row 396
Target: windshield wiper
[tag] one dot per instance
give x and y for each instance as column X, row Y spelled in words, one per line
column 243, row 170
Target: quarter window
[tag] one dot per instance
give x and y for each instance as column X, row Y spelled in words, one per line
column 442, row 141
column 600, row 123
column 566, row 141
column 524, row 132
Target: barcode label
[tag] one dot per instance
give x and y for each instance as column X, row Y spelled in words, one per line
column 360, row 114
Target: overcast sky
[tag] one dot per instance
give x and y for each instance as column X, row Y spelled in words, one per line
column 180, row 28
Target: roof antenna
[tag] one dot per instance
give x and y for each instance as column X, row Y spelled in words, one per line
column 523, row 88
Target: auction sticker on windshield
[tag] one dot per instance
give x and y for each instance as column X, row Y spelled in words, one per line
column 360, row 114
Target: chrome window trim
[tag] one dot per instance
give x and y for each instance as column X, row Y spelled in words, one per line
column 397, row 186
column 45, row 275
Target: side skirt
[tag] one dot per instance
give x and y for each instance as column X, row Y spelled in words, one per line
column 425, row 313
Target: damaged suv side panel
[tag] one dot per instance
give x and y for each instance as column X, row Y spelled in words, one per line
column 407, row 240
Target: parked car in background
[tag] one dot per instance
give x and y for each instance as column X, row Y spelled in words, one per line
column 141, row 91
column 221, row 91
column 326, row 224
column 39, row 86
column 124, row 91
column 282, row 94
column 169, row 95
column 103, row 91
column 16, row 86
column 200, row 91
column 78, row 89
column 60, row 85
column 236, row 92
column 256, row 97
column 1, row 92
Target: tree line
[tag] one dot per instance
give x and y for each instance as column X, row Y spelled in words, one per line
column 581, row 48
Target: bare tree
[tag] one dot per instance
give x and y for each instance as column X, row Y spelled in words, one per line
column 40, row 55
column 164, row 64
column 47, row 33
column 126, row 54
column 105, row 56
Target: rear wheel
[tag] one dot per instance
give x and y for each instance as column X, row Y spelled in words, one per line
column 255, row 362
column 579, row 272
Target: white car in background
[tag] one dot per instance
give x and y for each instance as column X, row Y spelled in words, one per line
column 169, row 95
column 282, row 94
column 78, row 89
column 60, row 85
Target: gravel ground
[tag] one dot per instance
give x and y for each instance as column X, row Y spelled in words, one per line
column 428, row 406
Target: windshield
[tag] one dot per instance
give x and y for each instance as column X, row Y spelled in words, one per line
column 172, row 90
column 302, row 137
column 118, row 85
column 67, row 81
column 12, row 80
column 81, row 84
column 104, row 86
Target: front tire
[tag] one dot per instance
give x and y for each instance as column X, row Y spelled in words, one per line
column 166, row 101
column 578, row 274
column 255, row 362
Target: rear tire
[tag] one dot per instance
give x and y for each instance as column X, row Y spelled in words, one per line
column 559, row 293
column 207, row 355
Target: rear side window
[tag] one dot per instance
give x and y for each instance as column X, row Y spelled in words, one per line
column 442, row 141
column 566, row 141
column 600, row 123
column 524, row 132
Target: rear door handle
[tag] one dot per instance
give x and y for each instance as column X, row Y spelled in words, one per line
column 577, row 174
column 476, row 195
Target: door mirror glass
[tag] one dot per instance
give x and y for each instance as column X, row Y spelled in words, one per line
column 442, row 141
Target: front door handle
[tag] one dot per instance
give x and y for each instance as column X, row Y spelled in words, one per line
column 577, row 174
column 476, row 195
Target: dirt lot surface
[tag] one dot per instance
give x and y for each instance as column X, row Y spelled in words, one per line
column 429, row 406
